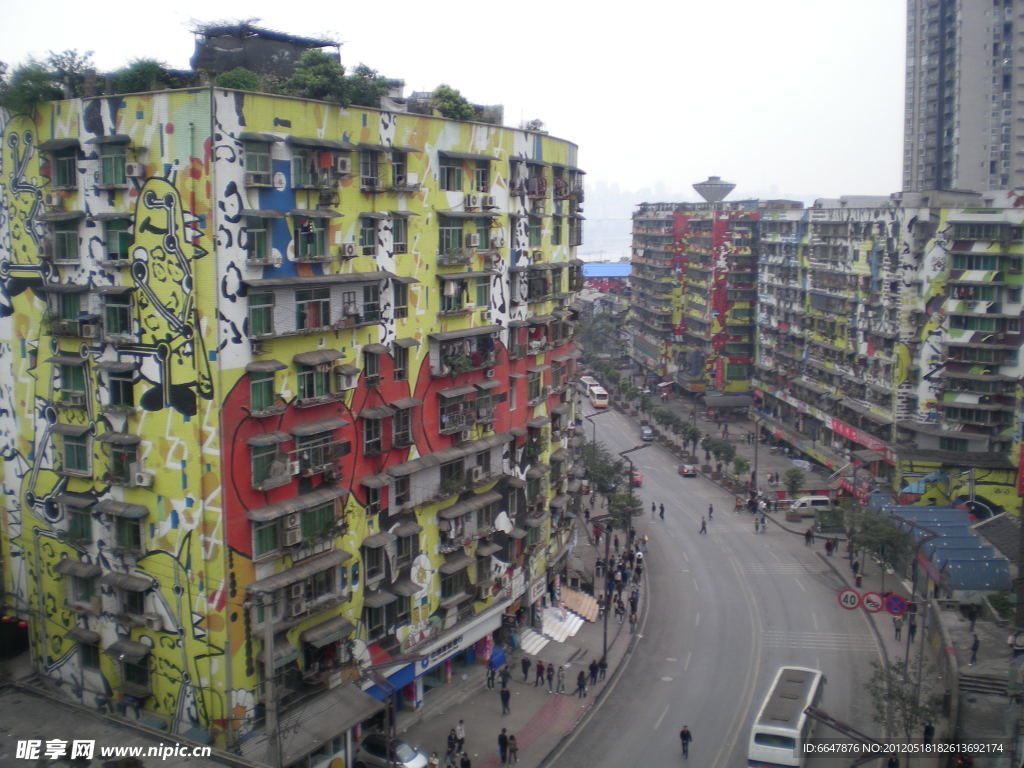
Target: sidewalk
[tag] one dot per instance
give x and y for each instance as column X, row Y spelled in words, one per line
column 540, row 720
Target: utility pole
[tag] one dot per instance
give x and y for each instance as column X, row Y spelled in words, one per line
column 629, row 512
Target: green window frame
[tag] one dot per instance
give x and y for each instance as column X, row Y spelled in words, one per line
column 367, row 235
column 556, row 230
column 534, row 384
column 122, row 389
column 118, row 314
column 373, row 437
column 119, row 237
column 90, row 655
column 406, row 549
column 482, row 176
column 257, row 163
column 449, row 235
column 121, row 459
column 137, row 674
column 265, row 538
column 128, row 533
column 373, row 562
column 371, row 303
column 65, row 169
column 133, row 602
column 450, row 174
column 112, row 165
column 261, row 391
column 72, row 378
column 400, row 367
column 312, row 308
column 483, row 292
column 310, row 239
column 82, row 590
column 369, row 169
column 401, row 300
column 76, row 453
column 321, row 584
column 262, row 459
column 257, row 238
column 317, row 520
column 400, row 234
column 302, row 169
column 69, row 306
column 65, row 240
column 79, row 524
column 261, row 314
column 534, row 228
column 371, row 368
column 401, row 426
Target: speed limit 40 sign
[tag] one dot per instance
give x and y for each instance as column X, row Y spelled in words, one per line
column 849, row 599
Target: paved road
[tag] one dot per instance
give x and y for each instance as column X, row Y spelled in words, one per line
column 726, row 610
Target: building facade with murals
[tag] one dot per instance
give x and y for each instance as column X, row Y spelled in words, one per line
column 285, row 403
column 887, row 332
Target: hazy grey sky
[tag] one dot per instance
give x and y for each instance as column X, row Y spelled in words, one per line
column 786, row 98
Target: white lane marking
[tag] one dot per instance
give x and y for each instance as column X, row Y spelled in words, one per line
column 686, row 664
column 802, row 587
column 657, row 723
column 814, row 621
column 696, row 621
column 671, row 659
column 696, row 587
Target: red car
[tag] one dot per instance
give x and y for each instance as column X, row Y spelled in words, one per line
column 636, row 479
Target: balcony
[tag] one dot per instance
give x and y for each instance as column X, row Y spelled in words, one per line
column 460, row 258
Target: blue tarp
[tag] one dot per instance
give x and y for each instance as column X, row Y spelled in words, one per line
column 920, row 486
column 604, row 269
column 977, row 574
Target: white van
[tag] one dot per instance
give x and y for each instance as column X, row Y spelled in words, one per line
column 807, row 506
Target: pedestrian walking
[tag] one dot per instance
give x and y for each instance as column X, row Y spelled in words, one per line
column 855, row 567
column 620, row 610
column 757, row 526
column 460, row 735
column 593, row 671
column 764, row 524
column 897, row 625
column 711, row 511
column 929, row 733
column 525, row 664
column 464, row 761
column 661, row 512
column 972, row 614
column 809, row 537
column 632, row 623
column 615, row 543
column 504, row 676
column 828, row 547
column 453, row 742
column 703, row 527
column 581, row 684
column 539, row 680
column 602, row 668
column 975, row 645
column 491, row 671
column 560, row 688
column 654, row 509
column 513, row 749
column 550, row 674
column 634, row 600
column 506, row 697
column 892, row 762
column 911, row 629
column 503, row 746
column 685, row 737
column 737, row 506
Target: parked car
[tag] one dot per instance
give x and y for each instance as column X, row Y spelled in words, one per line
column 636, row 479
column 646, row 433
column 373, row 753
column 688, row 470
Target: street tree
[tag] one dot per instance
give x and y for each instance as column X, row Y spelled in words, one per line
column 901, row 707
column 607, row 473
column 793, row 481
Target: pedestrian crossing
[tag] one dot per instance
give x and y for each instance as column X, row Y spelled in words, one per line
column 820, row 641
column 782, row 569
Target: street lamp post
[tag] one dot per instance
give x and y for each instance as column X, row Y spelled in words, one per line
column 606, row 532
column 629, row 512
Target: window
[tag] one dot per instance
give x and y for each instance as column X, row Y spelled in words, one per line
column 453, row 414
column 371, row 368
column 402, row 488
column 90, row 655
column 367, row 236
column 449, row 235
column 72, row 378
column 64, row 167
column 534, row 384
column 372, row 437
column 737, row 372
column 136, row 674
column 400, row 355
column 373, row 619
column 265, row 538
column 398, row 612
column 310, row 239
column 373, row 562
column 373, row 501
column 69, row 306
column 406, row 550
column 483, row 462
column 133, row 602
column 81, row 589
column 450, row 174
column 112, row 162
column 556, row 230
column 400, row 234
column 119, row 239
column 482, row 176
column 312, row 308
column 262, row 458
column 122, row 457
column 453, row 475
column 972, row 323
column 399, row 169
column 453, row 295
column 371, row 303
column 261, row 314
column 257, row 238
column 118, row 314
column 261, row 391
column 401, row 300
column 320, row 585
column 318, row 520
column 302, row 168
column 556, row 281
column 369, row 171
column 65, row 240
column 314, row 383
column 257, row 163
column 402, row 427
column 485, row 517
column 483, row 292
column 453, row 584
column 79, row 524
column 76, row 454
column 128, row 533
column 317, row 452
column 534, row 231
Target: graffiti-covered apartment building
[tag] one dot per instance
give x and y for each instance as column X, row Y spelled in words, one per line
column 284, row 398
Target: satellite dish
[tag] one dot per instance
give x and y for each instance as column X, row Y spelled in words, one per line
column 502, row 522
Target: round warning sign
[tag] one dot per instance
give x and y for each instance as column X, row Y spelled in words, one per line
column 872, row 602
column 896, row 605
column 849, row 599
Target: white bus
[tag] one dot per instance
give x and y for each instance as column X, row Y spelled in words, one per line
column 781, row 728
column 586, row 382
column 598, row 397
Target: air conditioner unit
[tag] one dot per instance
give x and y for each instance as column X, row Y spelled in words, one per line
column 294, row 468
column 485, row 315
column 53, row 199
column 153, row 621
column 473, row 241
column 466, row 435
column 489, row 373
column 349, row 250
column 497, row 239
column 73, row 398
column 292, row 521
column 89, row 330
column 296, row 590
column 142, row 479
column 471, row 201
column 538, row 254
column 252, row 179
column 475, row 474
column 292, row 537
column 298, row 607
column 343, row 165
column 134, row 170
column 487, row 201
column 258, row 347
